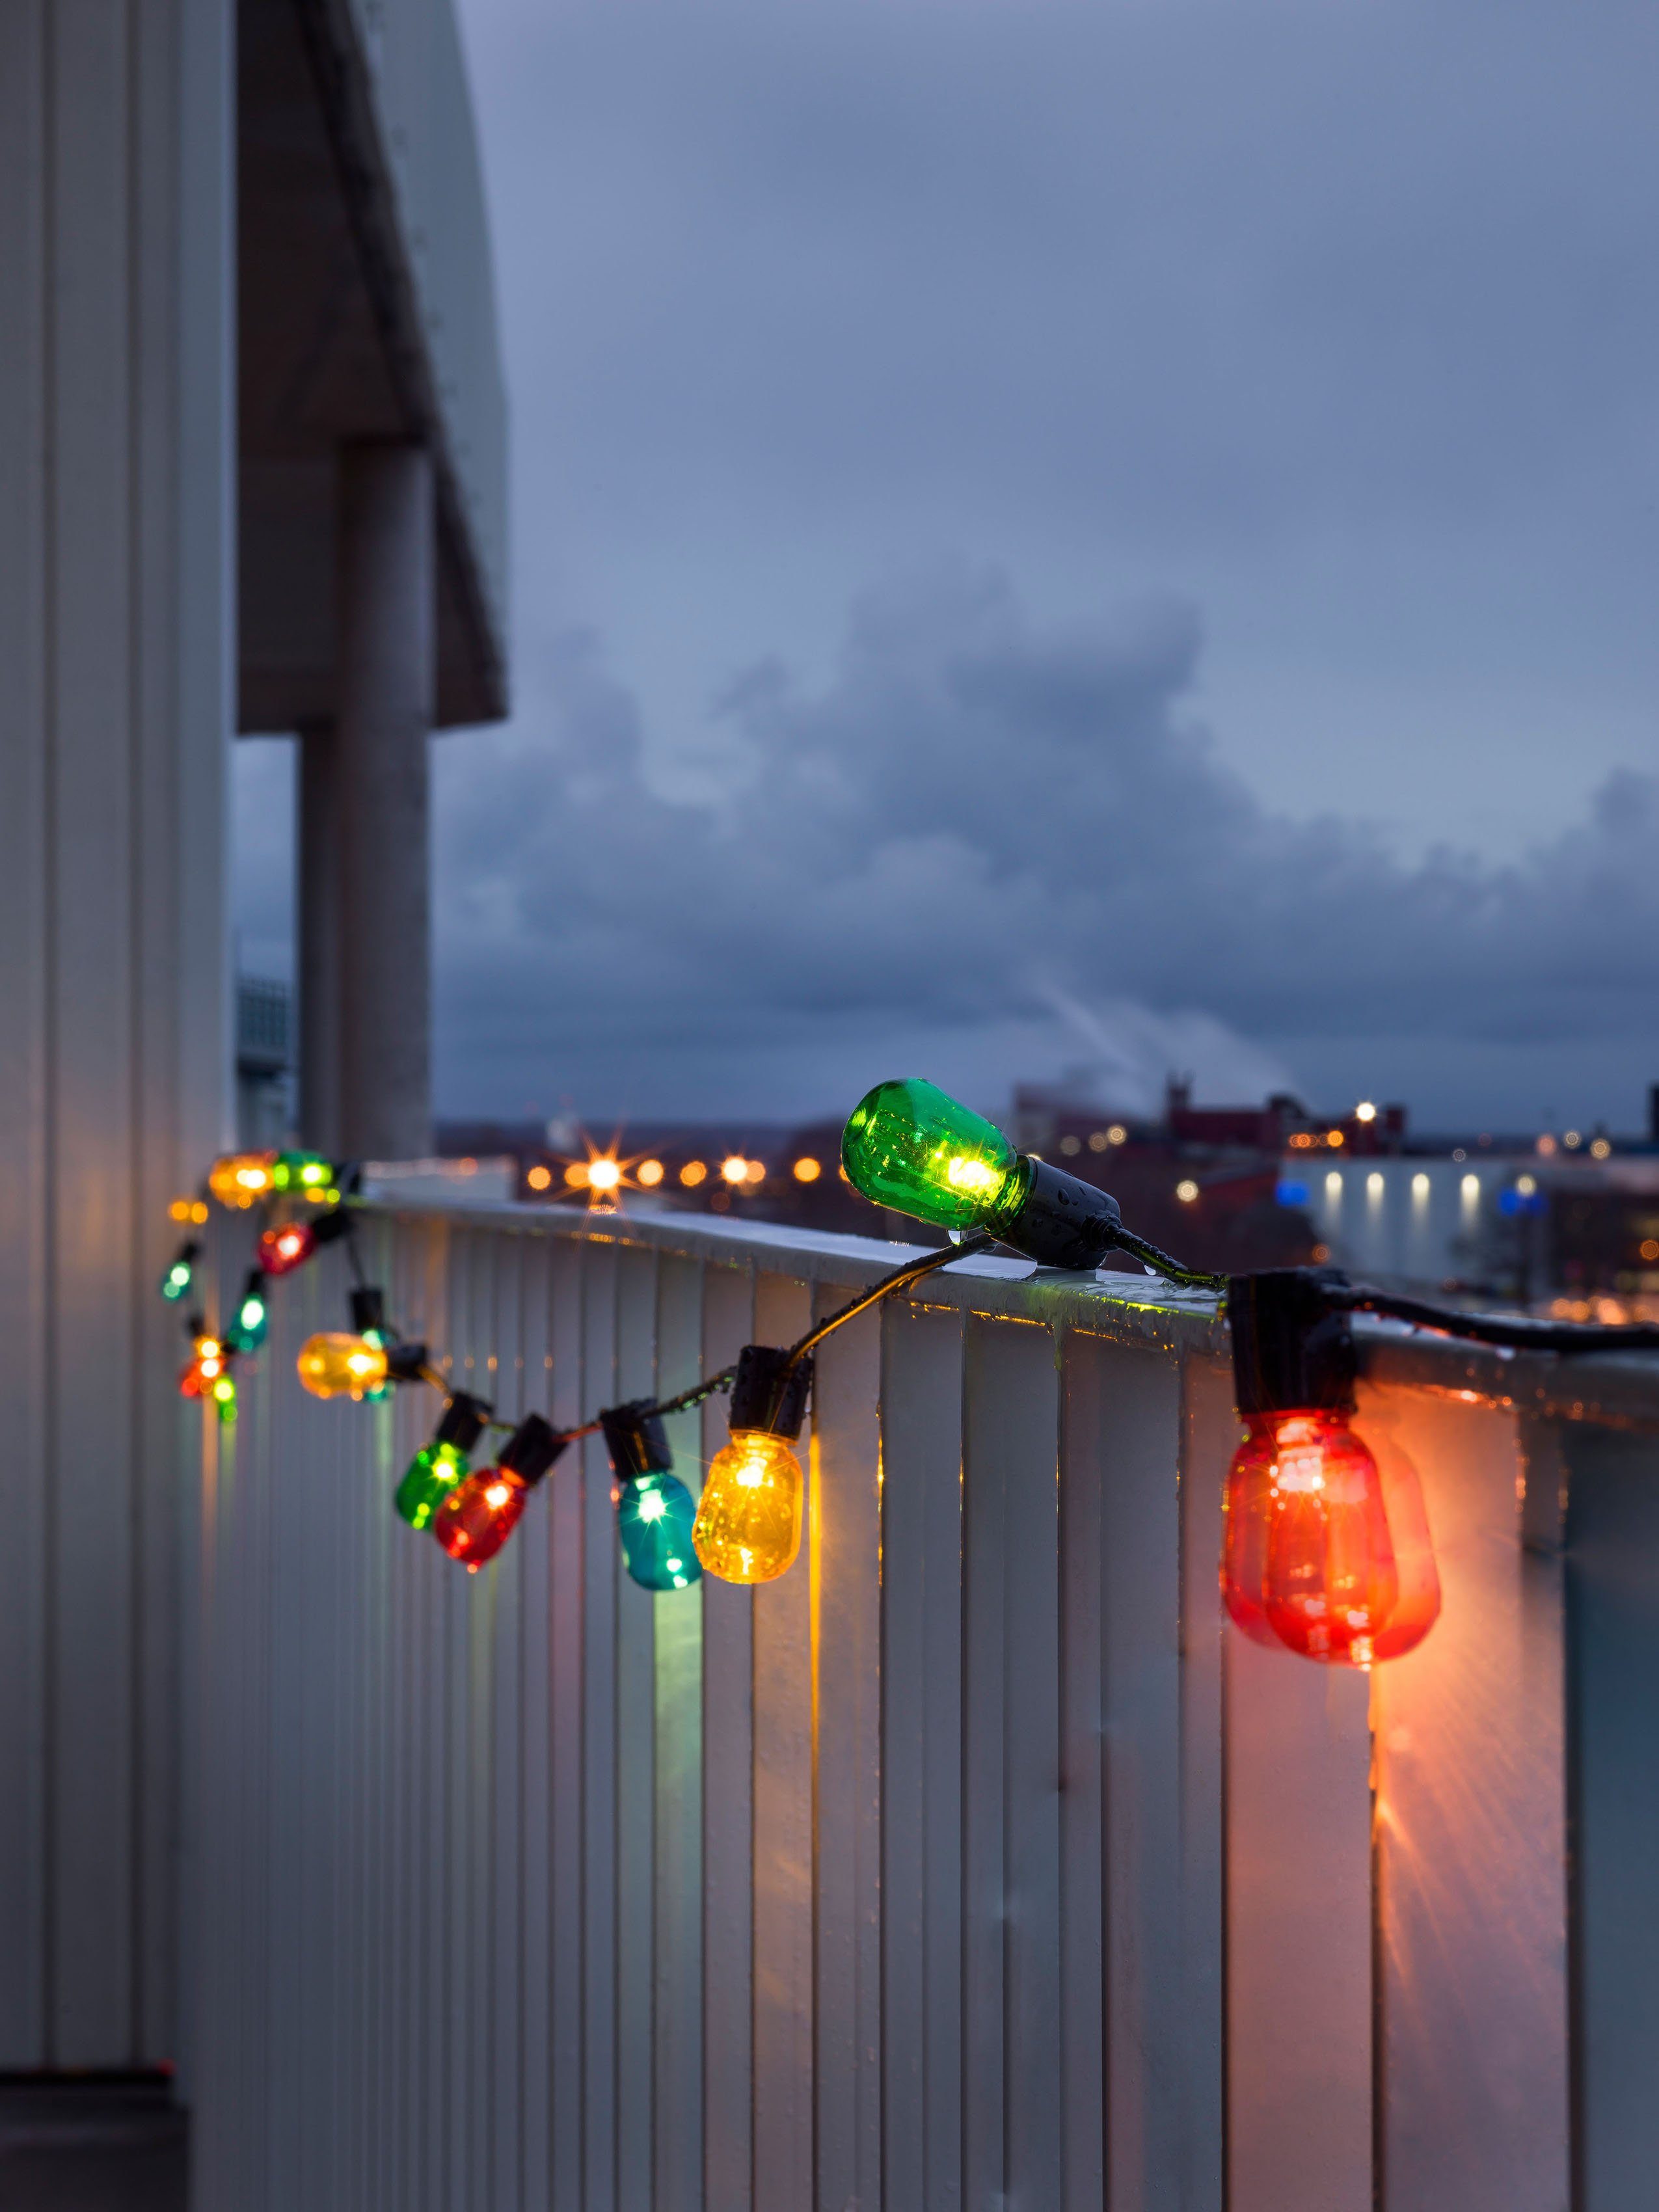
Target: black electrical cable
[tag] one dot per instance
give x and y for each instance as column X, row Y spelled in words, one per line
column 1521, row 1333
column 1192, row 1278
column 911, row 1271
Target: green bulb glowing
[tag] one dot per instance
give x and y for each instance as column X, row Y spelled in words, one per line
column 432, row 1474
column 908, row 1147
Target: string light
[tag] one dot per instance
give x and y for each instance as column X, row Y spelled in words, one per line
column 336, row 1363
column 239, row 1180
column 289, row 1245
column 654, row 1510
column 748, row 1522
column 648, row 1174
column 439, row 1465
column 307, row 1172
column 1327, row 1549
column 253, row 1318
column 281, row 1250
column 907, row 1145
column 1317, row 1557
column 207, row 1375
column 179, row 1272
column 480, row 1513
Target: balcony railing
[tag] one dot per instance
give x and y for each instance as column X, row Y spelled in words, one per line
column 975, row 1862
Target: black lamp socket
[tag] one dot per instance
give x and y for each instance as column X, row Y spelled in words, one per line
column 636, row 1441
column 532, row 1449
column 768, row 1392
column 328, row 1228
column 1064, row 1222
column 405, row 1362
column 368, row 1308
column 1294, row 1348
column 464, row 1421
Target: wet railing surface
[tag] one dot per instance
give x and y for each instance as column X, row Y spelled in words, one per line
column 974, row 1862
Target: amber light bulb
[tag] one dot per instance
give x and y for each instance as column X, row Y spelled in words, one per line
column 281, row 1250
column 1322, row 1556
column 335, row 1365
column 242, row 1179
column 749, row 1517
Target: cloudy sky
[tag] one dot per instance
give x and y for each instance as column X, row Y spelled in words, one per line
column 1062, row 534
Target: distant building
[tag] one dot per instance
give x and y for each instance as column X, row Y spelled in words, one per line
column 263, row 1062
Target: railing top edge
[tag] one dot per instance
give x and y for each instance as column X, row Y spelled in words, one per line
column 1621, row 1388
column 1130, row 1308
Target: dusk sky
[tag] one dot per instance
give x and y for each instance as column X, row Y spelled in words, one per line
column 1109, row 537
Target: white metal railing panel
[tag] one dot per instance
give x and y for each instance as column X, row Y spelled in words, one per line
column 728, row 1810
column 972, row 1862
column 921, row 1680
column 784, row 1919
column 1472, row 1841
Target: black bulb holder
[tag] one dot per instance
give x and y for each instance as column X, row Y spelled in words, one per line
column 532, row 1449
column 328, row 1228
column 769, row 1391
column 637, row 1440
column 1063, row 1221
column 1293, row 1347
column 463, row 1421
column 405, row 1362
column 368, row 1308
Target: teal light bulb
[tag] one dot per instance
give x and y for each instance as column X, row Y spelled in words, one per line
column 431, row 1475
column 382, row 1340
column 909, row 1146
column 176, row 1280
column 252, row 1320
column 654, row 1518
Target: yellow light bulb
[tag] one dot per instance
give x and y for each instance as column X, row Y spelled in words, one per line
column 748, row 1524
column 735, row 1169
column 338, row 1365
column 649, row 1173
column 807, row 1169
column 603, row 1174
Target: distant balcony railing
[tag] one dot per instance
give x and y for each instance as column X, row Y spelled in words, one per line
column 973, row 1863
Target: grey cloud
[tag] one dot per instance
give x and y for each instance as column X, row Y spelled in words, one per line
column 973, row 820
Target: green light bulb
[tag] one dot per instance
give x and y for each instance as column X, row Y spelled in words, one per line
column 175, row 1281
column 307, row 1171
column 908, row 1147
column 432, row 1474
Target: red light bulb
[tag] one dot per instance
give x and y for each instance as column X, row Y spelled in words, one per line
column 281, row 1250
column 479, row 1514
column 1323, row 1554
